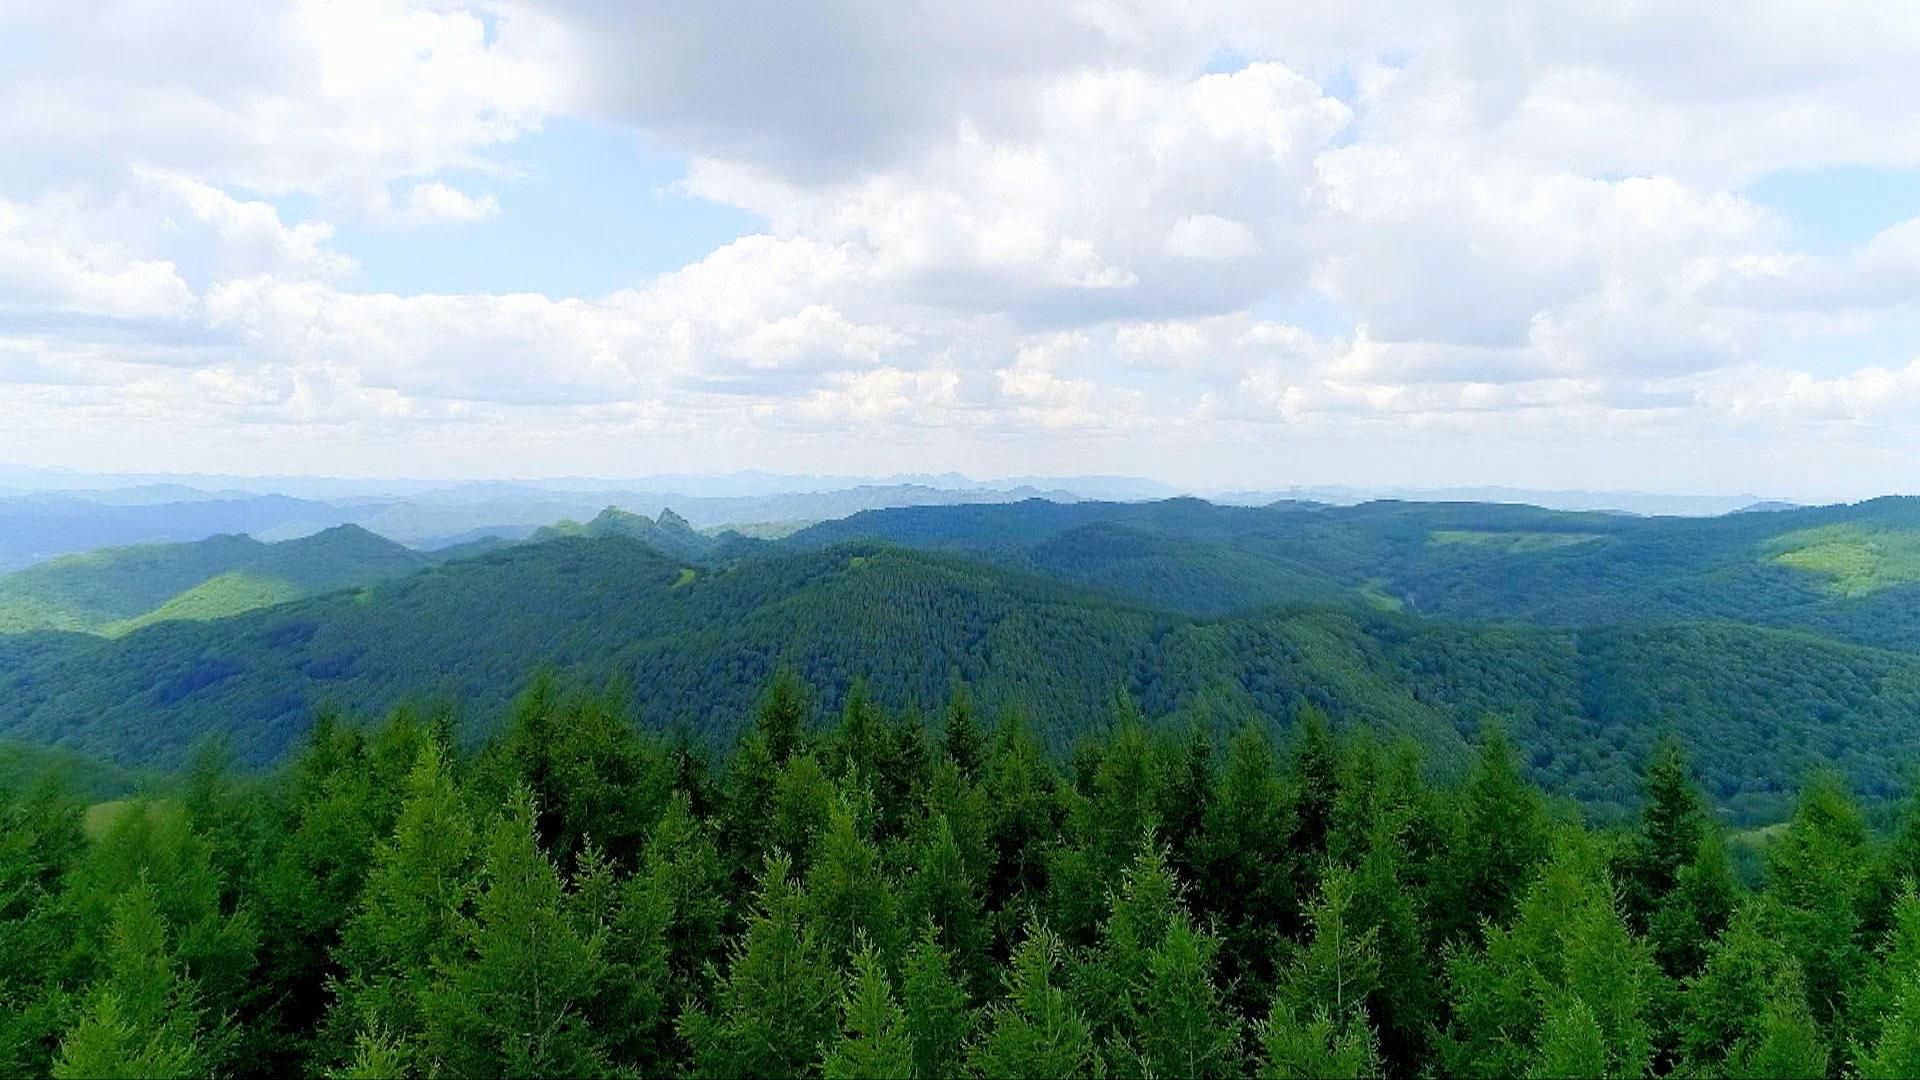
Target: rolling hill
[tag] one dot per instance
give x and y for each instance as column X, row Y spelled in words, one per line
column 115, row 590
column 1847, row 572
column 697, row 643
column 34, row 528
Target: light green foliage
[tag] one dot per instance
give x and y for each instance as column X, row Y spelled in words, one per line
column 1816, row 873
column 1787, row 1045
column 412, row 920
column 215, row 598
column 142, row 1017
column 153, row 842
column 1723, row 1005
column 1567, row 944
column 877, row 1041
column 1855, row 559
column 1316, row 1047
column 939, row 1016
column 1896, row 1053
column 375, row 1057
column 115, row 591
column 1571, row 1043
column 515, row 1002
column 39, row 837
column 779, row 1000
column 370, row 910
column 1184, row 1028
column 1318, row 1025
column 848, row 897
column 1034, row 1030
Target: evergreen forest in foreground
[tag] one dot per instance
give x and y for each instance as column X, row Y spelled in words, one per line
column 887, row 894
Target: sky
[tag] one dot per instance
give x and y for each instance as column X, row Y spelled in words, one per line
column 1657, row 246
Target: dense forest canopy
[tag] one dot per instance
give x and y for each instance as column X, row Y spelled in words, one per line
column 891, row 893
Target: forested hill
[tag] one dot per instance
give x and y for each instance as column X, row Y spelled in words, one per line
column 695, row 643
column 1851, row 572
column 115, row 590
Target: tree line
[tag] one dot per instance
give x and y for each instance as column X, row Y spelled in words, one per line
column 891, row 894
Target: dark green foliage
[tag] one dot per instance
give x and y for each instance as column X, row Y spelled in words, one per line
column 388, row 903
column 1629, row 630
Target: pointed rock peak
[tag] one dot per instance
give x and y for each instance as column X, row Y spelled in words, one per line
column 670, row 520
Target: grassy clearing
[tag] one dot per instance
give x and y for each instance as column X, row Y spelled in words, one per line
column 686, row 578
column 1374, row 592
column 1854, row 560
column 215, row 598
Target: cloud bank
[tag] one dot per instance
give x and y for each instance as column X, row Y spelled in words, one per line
column 1408, row 243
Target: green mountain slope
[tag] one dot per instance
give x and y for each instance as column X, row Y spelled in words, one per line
column 116, row 590
column 1844, row 571
column 1756, row 706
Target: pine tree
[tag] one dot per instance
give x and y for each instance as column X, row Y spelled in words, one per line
column 1318, row 1025
column 1182, row 812
column 1787, row 1045
column 40, row 839
column 1896, row 1053
column 1406, row 1002
column 1673, row 823
column 877, row 1042
column 683, row 865
column 1505, row 832
column 1815, row 876
column 803, row 799
column 940, row 1016
column 941, row 891
column 961, row 740
column 849, row 899
column 783, row 715
column 1183, row 1027
column 1880, row 1008
column 1316, row 1047
column 1724, row 1005
column 1020, row 804
column 1314, row 775
column 1696, row 912
column 411, row 919
column 1568, row 942
column 1246, row 881
column 142, row 1017
column 779, row 1000
column 1571, row 1043
column 1107, row 982
column 1034, row 1030
column 515, row 1004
